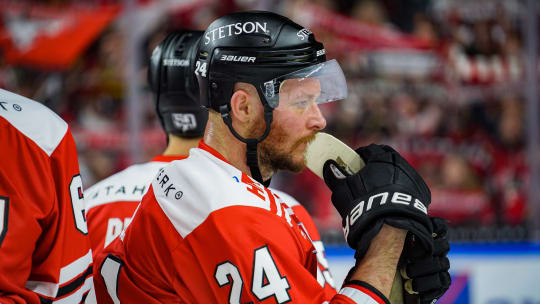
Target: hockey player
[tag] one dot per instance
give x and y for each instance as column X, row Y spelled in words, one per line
column 110, row 203
column 45, row 254
column 209, row 231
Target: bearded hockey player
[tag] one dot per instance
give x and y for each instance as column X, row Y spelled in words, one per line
column 111, row 202
column 209, row 231
column 45, row 254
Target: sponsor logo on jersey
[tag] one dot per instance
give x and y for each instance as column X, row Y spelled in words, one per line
column 4, row 105
column 237, row 58
column 184, row 121
column 175, row 62
column 168, row 187
column 235, row 29
column 303, row 34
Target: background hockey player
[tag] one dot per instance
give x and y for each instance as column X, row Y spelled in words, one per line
column 45, row 253
column 208, row 231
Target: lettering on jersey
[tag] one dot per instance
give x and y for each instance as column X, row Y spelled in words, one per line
column 235, row 29
column 165, row 183
column 237, row 58
column 380, row 199
column 4, row 105
column 184, row 121
column 115, row 226
column 114, row 190
column 175, row 62
column 321, row 52
column 303, row 34
column 253, row 186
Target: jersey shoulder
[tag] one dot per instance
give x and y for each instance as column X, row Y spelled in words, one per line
column 34, row 120
column 189, row 190
column 286, row 198
column 129, row 184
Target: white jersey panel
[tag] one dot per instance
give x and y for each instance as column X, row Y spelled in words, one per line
column 286, row 198
column 188, row 199
column 20, row 112
column 129, row 184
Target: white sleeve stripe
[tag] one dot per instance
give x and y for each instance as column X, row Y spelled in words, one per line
column 357, row 296
column 67, row 273
column 46, row 289
column 71, row 271
column 77, row 296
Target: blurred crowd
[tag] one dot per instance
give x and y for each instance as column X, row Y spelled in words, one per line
column 440, row 81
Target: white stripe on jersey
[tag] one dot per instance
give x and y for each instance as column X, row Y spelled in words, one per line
column 46, row 289
column 77, row 296
column 76, row 268
column 357, row 296
column 67, row 273
column 34, row 120
column 198, row 196
column 286, row 198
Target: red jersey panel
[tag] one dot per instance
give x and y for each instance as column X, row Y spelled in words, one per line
column 45, row 254
column 111, row 202
column 207, row 233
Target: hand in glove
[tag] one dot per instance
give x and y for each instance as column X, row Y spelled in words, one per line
column 426, row 277
column 387, row 190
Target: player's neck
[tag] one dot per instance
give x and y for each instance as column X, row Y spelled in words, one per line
column 219, row 137
column 180, row 146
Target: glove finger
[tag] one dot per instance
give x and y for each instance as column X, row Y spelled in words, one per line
column 430, row 295
column 424, row 284
column 440, row 247
column 425, row 267
column 334, row 175
column 424, row 194
column 440, row 228
column 369, row 152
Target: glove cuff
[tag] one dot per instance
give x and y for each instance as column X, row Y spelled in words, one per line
column 366, row 288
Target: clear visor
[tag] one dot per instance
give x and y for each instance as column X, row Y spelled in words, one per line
column 320, row 83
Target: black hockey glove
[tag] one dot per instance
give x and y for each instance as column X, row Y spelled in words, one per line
column 387, row 190
column 426, row 277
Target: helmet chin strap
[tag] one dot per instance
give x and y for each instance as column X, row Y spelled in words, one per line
column 251, row 143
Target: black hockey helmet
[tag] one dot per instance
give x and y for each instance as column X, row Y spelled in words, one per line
column 263, row 49
column 171, row 78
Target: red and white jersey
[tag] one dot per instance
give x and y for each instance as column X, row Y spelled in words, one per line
column 207, row 233
column 45, row 254
column 111, row 202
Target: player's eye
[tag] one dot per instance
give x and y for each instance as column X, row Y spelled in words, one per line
column 301, row 104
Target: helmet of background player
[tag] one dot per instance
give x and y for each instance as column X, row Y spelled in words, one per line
column 171, row 78
column 265, row 50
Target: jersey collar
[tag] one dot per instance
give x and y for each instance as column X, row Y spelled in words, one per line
column 207, row 148
column 168, row 158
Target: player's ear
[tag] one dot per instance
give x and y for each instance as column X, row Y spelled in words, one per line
column 246, row 108
column 240, row 105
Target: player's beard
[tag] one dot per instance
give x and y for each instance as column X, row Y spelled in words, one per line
column 274, row 156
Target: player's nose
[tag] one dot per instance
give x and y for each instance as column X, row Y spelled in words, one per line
column 316, row 119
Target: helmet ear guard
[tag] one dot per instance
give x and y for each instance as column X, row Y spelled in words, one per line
column 171, row 78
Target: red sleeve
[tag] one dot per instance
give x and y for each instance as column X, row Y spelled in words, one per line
column 239, row 254
column 44, row 251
